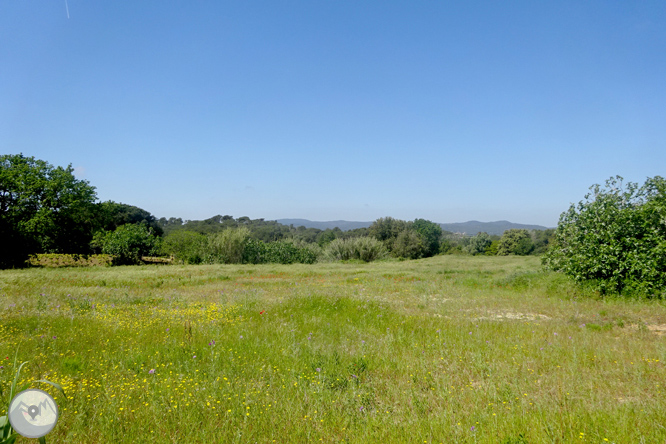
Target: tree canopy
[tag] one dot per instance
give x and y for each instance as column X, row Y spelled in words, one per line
column 615, row 239
column 43, row 209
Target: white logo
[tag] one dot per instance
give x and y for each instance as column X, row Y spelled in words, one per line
column 33, row 413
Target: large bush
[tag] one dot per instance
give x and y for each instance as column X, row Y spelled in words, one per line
column 280, row 252
column 478, row 244
column 128, row 243
column 185, row 246
column 430, row 233
column 515, row 241
column 410, row 245
column 615, row 240
column 227, row 246
column 366, row 249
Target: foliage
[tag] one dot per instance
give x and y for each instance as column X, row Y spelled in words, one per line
column 367, row 249
column 128, row 243
column 185, row 246
column 515, row 241
column 113, row 214
column 286, row 252
column 409, row 245
column 542, row 240
column 226, row 247
column 69, row 260
column 43, row 209
column 387, row 229
column 430, row 233
column 478, row 244
column 492, row 248
column 615, row 240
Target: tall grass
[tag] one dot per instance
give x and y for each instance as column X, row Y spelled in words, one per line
column 366, row 249
column 450, row 349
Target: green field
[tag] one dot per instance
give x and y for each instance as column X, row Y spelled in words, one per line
column 441, row 350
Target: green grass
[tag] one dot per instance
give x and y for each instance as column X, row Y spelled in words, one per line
column 448, row 349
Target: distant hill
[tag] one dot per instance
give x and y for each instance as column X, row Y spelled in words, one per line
column 470, row 228
column 473, row 227
column 344, row 225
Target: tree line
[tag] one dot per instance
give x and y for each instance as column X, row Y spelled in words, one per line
column 613, row 241
column 45, row 209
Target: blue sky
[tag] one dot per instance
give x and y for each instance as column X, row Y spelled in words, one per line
column 325, row 110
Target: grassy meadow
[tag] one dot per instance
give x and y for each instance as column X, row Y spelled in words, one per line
column 449, row 349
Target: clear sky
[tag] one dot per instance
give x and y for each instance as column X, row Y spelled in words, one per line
column 326, row 110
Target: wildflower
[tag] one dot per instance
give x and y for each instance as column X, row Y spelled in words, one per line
column 151, row 371
column 318, row 369
column 473, row 428
column 354, row 376
column 167, row 329
column 262, row 312
column 54, row 337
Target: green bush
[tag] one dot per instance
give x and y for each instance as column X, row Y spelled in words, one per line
column 410, row 245
column 478, row 244
column 227, row 246
column 430, row 233
column 186, row 247
column 515, row 241
column 128, row 243
column 366, row 249
column 280, row 252
column 492, row 248
column 615, row 240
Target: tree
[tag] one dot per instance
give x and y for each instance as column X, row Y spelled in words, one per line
column 542, row 239
column 409, row 245
column 515, row 241
column 615, row 240
column 430, row 232
column 185, row 246
column 478, row 244
column 113, row 215
column 43, row 209
column 128, row 243
column 387, row 229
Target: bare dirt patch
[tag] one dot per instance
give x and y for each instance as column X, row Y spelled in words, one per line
column 500, row 316
column 659, row 329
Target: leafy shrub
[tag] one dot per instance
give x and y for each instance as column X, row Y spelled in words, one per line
column 69, row 260
column 280, row 252
column 185, row 246
column 430, row 233
column 366, row 249
column 409, row 245
column 615, row 240
column 492, row 248
column 515, row 241
column 227, row 246
column 128, row 243
column 478, row 244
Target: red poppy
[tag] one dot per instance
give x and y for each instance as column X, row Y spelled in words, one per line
column 262, row 312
